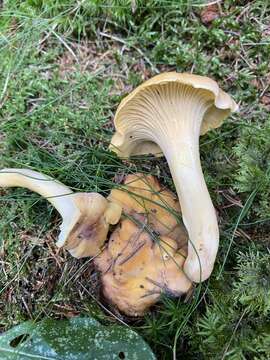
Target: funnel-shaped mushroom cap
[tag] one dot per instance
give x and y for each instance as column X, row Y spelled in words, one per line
column 166, row 115
column 136, row 270
column 160, row 102
column 86, row 216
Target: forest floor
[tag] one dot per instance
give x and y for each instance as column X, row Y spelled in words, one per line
column 65, row 66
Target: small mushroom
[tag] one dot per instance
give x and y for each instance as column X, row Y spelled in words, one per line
column 135, row 270
column 86, row 216
column 167, row 114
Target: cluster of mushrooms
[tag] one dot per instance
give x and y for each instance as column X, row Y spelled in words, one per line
column 149, row 250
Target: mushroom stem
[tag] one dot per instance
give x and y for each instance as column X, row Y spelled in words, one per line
column 59, row 195
column 45, row 186
column 198, row 211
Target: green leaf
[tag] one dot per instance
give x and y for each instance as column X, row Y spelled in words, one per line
column 77, row 338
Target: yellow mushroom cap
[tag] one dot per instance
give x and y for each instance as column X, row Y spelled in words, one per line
column 146, row 251
column 143, row 194
column 136, row 270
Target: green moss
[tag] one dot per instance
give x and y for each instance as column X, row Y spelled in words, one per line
column 253, row 157
column 236, row 323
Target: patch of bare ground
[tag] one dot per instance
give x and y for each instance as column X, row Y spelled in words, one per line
column 110, row 60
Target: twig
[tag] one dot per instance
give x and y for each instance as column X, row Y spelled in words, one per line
column 48, row 34
column 153, row 67
column 66, row 46
column 207, row 4
column 234, row 331
column 26, row 307
column 2, row 98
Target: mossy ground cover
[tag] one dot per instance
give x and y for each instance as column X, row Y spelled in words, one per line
column 64, row 68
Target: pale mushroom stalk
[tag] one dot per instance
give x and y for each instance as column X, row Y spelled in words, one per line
column 86, row 216
column 167, row 114
column 59, row 195
column 180, row 146
column 198, row 213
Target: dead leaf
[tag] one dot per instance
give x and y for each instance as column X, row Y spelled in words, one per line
column 209, row 14
column 266, row 32
column 255, row 82
column 265, row 100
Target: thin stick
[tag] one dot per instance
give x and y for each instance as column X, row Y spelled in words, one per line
column 153, row 67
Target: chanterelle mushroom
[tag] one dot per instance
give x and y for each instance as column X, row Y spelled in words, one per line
column 135, row 270
column 167, row 114
column 86, row 216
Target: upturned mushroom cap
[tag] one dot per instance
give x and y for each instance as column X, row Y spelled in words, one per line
column 86, row 216
column 143, row 194
column 167, row 114
column 154, row 100
column 136, row 270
